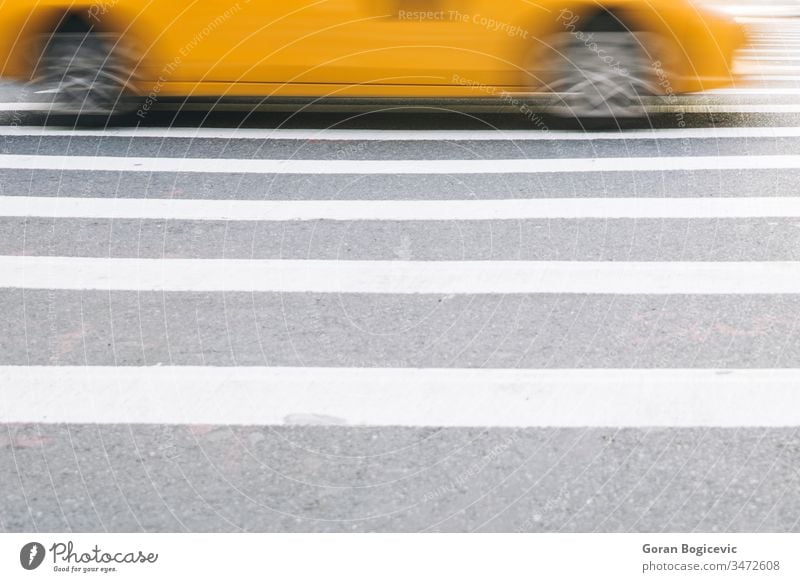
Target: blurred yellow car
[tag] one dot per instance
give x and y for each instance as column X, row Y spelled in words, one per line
column 594, row 59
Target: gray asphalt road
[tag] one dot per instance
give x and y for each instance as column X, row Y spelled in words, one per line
column 314, row 474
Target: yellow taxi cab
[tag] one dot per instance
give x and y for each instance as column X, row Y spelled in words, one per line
column 592, row 58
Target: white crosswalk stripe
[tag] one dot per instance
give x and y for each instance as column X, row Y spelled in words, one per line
column 397, row 167
column 398, row 210
column 400, row 277
column 404, row 397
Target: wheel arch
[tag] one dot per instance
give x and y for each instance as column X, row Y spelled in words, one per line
column 25, row 46
column 585, row 17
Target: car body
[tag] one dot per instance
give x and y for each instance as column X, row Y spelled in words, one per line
column 395, row 49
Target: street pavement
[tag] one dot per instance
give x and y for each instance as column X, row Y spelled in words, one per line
column 245, row 319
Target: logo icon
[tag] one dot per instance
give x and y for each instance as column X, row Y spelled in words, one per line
column 32, row 555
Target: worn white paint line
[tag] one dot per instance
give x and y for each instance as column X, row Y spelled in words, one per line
column 401, row 397
column 391, row 167
column 400, row 277
column 419, row 135
column 398, row 210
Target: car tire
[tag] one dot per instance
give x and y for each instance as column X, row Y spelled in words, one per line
column 87, row 74
column 603, row 76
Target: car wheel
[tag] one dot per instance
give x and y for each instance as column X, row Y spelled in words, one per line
column 600, row 76
column 87, row 75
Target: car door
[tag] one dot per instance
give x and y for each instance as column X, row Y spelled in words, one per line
column 383, row 42
column 432, row 42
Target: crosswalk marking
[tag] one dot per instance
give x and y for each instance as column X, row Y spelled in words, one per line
column 398, row 210
column 400, row 277
column 410, row 396
column 387, row 135
column 400, row 397
column 395, row 167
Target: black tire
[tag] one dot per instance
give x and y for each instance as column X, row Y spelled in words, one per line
column 603, row 77
column 87, row 75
